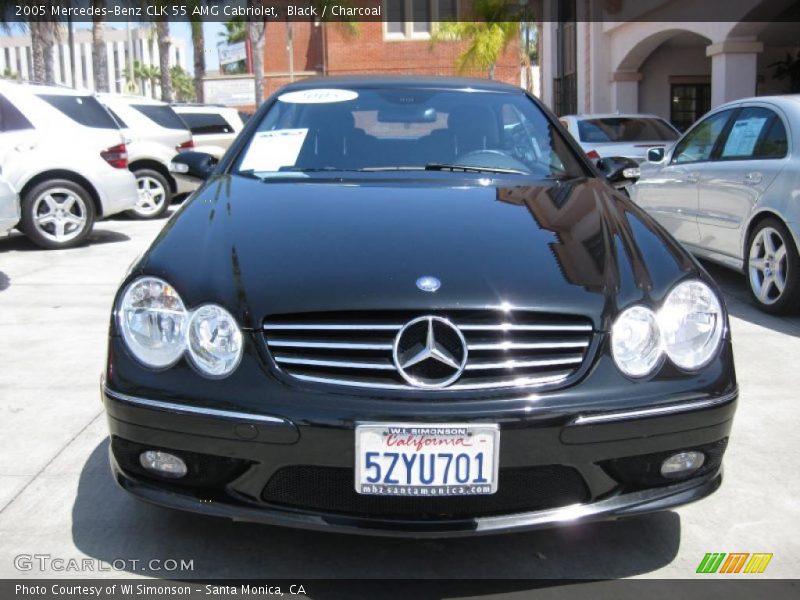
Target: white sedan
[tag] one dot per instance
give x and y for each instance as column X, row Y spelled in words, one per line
column 628, row 135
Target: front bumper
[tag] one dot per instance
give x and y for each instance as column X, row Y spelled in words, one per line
column 585, row 443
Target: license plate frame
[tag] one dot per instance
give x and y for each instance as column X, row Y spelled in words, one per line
column 483, row 437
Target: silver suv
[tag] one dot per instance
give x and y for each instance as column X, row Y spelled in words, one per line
column 65, row 155
column 729, row 189
column 154, row 134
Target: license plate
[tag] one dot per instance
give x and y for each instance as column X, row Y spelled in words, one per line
column 406, row 459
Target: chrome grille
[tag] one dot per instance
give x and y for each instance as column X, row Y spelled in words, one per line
column 505, row 348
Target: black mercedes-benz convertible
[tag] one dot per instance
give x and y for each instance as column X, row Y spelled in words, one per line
column 414, row 307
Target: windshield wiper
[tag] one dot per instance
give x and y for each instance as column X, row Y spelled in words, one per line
column 380, row 169
column 471, row 169
column 316, row 170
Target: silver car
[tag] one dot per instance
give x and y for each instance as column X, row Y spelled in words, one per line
column 729, row 190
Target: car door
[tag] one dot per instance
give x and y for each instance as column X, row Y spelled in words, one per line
column 670, row 192
column 745, row 163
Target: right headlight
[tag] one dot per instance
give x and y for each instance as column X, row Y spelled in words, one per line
column 152, row 320
column 692, row 324
column 687, row 329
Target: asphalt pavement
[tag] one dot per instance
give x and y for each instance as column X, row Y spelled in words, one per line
column 58, row 501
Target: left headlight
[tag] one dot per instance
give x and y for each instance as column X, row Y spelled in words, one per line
column 215, row 341
column 688, row 329
column 692, row 323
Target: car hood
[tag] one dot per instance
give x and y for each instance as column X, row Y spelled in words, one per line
column 573, row 247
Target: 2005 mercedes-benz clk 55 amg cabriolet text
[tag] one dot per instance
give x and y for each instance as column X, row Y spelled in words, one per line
column 413, row 307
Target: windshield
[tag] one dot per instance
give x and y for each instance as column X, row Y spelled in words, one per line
column 406, row 128
column 625, row 129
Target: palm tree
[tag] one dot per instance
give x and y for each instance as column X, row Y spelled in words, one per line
column 182, row 84
column 235, row 31
column 162, row 36
column 257, row 38
column 37, row 50
column 99, row 63
column 488, row 35
column 50, row 33
column 199, row 45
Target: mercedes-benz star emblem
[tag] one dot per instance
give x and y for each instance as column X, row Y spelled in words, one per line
column 430, row 352
column 428, row 283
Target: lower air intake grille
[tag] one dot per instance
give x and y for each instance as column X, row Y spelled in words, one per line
column 330, row 489
column 504, row 348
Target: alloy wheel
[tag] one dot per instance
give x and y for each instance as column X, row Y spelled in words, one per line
column 152, row 196
column 59, row 214
column 768, row 265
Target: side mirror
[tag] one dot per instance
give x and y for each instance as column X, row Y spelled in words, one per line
column 196, row 165
column 619, row 170
column 656, row 155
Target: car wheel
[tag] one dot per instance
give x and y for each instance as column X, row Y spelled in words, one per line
column 154, row 194
column 772, row 268
column 57, row 214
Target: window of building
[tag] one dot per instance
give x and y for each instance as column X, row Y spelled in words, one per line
column 689, row 102
column 414, row 19
column 565, row 83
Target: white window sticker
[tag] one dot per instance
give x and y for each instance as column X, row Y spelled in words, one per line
column 743, row 137
column 271, row 150
column 319, row 96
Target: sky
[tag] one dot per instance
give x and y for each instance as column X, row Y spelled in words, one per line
column 211, row 32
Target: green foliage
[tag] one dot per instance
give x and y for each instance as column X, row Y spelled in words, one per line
column 141, row 73
column 488, row 35
column 10, row 74
column 235, row 31
column 182, row 84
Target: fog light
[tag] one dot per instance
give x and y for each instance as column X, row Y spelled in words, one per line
column 163, row 463
column 682, row 464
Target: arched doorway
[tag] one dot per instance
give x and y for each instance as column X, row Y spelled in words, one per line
column 668, row 74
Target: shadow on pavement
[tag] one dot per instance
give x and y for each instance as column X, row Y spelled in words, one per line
column 21, row 243
column 125, row 217
column 741, row 305
column 109, row 525
column 5, row 282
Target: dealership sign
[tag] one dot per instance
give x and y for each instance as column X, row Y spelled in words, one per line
column 232, row 53
column 230, row 91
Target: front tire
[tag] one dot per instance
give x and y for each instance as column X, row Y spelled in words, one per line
column 154, row 194
column 57, row 214
column 773, row 268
